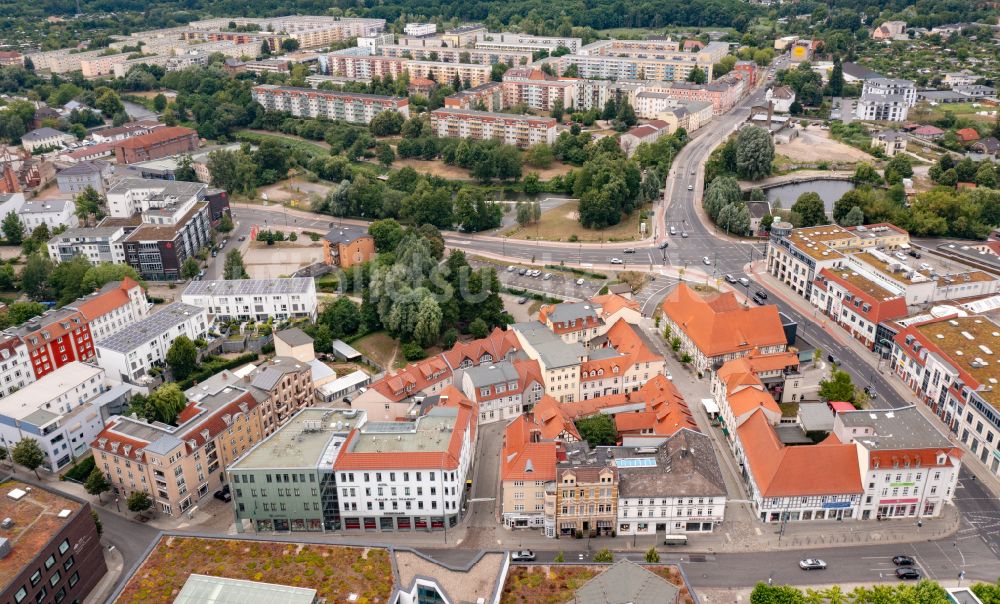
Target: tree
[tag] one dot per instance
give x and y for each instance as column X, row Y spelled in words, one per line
column 386, row 233
column 776, row 594
column 866, row 174
column 558, row 110
column 721, row 192
column 165, row 403
column 97, row 483
column 289, row 44
column 986, row 175
column 27, row 453
column 855, row 217
column 13, row 228
column 89, row 203
column 697, row 76
column 428, row 321
column 836, row 84
column 539, row 155
column 225, row 224
column 598, row 430
column 159, row 102
column 652, row 556
column 35, row 278
column 809, row 207
column 190, row 268
column 101, row 274
column 234, row 269
column 139, row 501
column 182, row 357
column 605, row 554
column 754, row 153
column 626, row 114
column 478, row 328
column 838, row 388
column 385, row 154
column 387, row 123
column 19, row 312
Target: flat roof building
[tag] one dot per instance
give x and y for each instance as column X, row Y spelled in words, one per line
column 254, row 299
column 130, row 353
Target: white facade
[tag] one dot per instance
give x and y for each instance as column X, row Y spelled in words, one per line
column 132, row 352
column 884, row 99
column 420, row 29
column 15, row 365
column 54, row 213
column 256, row 299
column 500, row 393
column 114, row 320
column 97, row 245
column 134, row 195
column 54, row 412
column 328, row 104
column 517, row 130
column 641, row 515
column 45, row 137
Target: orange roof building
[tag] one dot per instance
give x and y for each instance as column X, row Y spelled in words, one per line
column 811, row 482
column 967, row 135
column 527, row 468
column 718, row 327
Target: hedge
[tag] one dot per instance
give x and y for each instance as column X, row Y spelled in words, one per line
column 79, row 471
column 576, row 271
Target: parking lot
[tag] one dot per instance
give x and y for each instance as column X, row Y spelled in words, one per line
column 565, row 286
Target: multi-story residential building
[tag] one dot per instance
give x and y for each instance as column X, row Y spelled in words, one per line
column 157, row 252
column 15, row 366
column 910, row 467
column 254, row 299
column 470, row 74
column 485, row 97
column 286, row 482
column 722, row 93
column 52, row 213
column 560, row 361
column 161, row 142
column 796, row 256
column 890, row 142
column 420, row 29
column 781, row 97
column 399, row 394
column 624, row 362
column 455, row 55
column 120, row 133
column 310, row 31
column 676, row 68
column 409, row 475
column 11, row 58
column 132, row 196
column 328, row 104
column 885, row 99
column 521, row 131
column 96, row 244
column 739, row 392
column 585, row 321
column 856, row 303
column 719, row 328
column 363, row 65
column 345, row 247
column 677, row 488
column 949, row 364
column 56, row 412
column 112, row 308
column 54, row 552
column 525, row 42
column 45, row 138
column 527, row 471
column 101, row 65
column 54, row 339
column 783, row 481
column 130, row 353
column 536, row 89
column 586, row 492
column 463, row 35
column 78, row 177
column 503, row 390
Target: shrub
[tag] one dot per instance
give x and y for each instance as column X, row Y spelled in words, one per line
column 413, row 352
column 80, row 470
column 578, row 534
column 685, row 358
column 559, row 558
column 604, row 555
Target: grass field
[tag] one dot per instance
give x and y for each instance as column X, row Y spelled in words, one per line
column 560, row 224
column 312, row 148
column 381, row 348
column 928, row 113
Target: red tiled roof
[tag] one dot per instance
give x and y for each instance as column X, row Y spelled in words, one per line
column 525, row 455
column 720, row 325
column 967, row 135
column 879, row 308
column 498, row 344
column 412, row 379
column 781, row 471
column 102, row 304
column 928, row 131
column 911, row 457
column 838, row 406
column 158, row 135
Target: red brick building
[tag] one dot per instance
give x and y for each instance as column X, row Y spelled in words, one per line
column 159, row 143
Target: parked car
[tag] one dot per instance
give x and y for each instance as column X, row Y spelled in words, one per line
column 223, row 496
column 760, row 294
column 706, row 261
column 902, row 560
column 629, row 250
column 690, row 187
column 925, row 266
column 744, row 282
column 579, row 281
column 730, row 279
column 914, row 253
column 522, row 300
column 616, row 261
column 812, row 564
column 525, row 555
column 665, row 244
column 522, row 272
column 684, row 235
column 511, row 268
column 832, row 359
column 215, row 253
column 900, row 255
column 908, row 573
column 673, row 230
column 243, row 238
column 547, row 276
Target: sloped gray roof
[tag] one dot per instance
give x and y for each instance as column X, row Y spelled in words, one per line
column 627, row 582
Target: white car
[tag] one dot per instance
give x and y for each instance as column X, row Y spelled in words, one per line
column 812, row 564
column 579, row 281
column 706, row 261
column 511, row 268
column 900, row 255
column 690, row 187
column 616, row 261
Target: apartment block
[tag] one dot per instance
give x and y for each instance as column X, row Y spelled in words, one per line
column 408, row 475
column 169, row 140
column 129, row 354
column 286, row 482
column 52, row 213
column 15, row 366
column 56, row 412
column 470, row 74
column 254, row 299
column 885, row 99
column 420, row 29
column 525, row 42
column 96, row 244
column 485, row 97
column 364, row 66
column 536, row 89
column 346, row 247
column 456, row 55
column 328, row 104
column 521, row 131
column 54, row 339
column 54, row 551
column 463, row 35
column 527, row 474
column 503, row 390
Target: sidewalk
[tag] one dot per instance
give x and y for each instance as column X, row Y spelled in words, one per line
column 779, row 289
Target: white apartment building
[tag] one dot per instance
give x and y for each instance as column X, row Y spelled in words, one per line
column 525, row 42
column 54, row 412
column 136, row 195
column 327, row 104
column 408, row 475
column 132, row 352
column 96, row 244
column 909, row 467
column 675, row 488
column 420, row 29
column 502, row 391
column 254, row 299
column 45, row 137
column 54, row 213
column 886, row 99
column 114, row 307
column 15, row 365
column 521, row 131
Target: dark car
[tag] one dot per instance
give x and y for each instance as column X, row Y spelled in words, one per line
column 664, row 245
column 902, row 560
column 760, row 294
column 223, row 495
column 522, row 300
column 914, row 253
column 812, row 564
column 908, row 573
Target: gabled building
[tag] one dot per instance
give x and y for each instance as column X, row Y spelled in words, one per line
column 856, row 303
column 622, row 360
column 503, row 390
column 719, row 328
column 740, row 393
column 586, row 493
column 398, row 394
column 527, row 472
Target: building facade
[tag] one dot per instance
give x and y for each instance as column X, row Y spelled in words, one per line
column 885, row 99
column 328, row 104
column 254, row 299
column 161, row 142
column 520, row 131
column 130, row 354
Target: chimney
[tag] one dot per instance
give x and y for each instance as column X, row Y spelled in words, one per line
column 246, row 378
column 225, row 376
